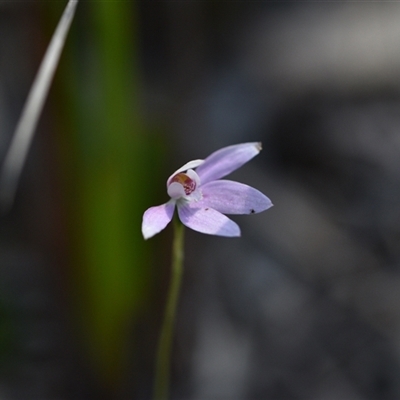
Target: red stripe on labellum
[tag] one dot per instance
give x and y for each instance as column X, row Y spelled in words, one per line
column 189, row 185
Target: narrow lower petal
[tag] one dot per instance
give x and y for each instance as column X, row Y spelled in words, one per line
column 226, row 160
column 229, row 197
column 155, row 219
column 207, row 220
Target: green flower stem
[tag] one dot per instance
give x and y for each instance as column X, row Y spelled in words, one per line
column 163, row 361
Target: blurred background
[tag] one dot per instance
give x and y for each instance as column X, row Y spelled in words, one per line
column 306, row 305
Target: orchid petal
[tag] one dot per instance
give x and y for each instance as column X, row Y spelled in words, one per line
column 193, row 176
column 226, row 160
column 155, row 219
column 230, row 197
column 207, row 220
column 189, row 165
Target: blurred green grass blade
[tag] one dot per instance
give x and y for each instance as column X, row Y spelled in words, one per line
column 114, row 156
column 16, row 155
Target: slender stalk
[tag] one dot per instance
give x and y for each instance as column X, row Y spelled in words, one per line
column 163, row 361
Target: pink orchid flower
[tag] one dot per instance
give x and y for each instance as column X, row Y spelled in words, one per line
column 202, row 198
